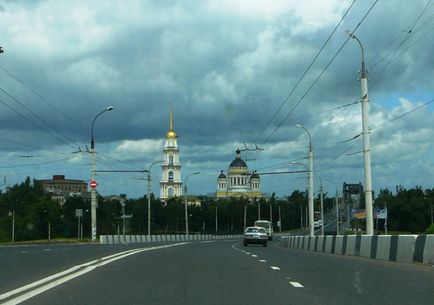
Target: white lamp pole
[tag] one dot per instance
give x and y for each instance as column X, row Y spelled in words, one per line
column 336, row 204
column 149, row 196
column 310, row 178
column 92, row 175
column 366, row 145
column 186, row 204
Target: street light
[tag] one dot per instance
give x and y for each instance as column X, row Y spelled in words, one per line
column 310, row 197
column 301, row 210
column 321, row 204
column 92, row 175
column 337, row 205
column 185, row 200
column 366, row 145
column 310, row 178
column 149, row 196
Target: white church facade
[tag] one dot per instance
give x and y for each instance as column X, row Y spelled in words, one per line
column 238, row 182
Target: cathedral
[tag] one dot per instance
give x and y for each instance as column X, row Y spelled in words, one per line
column 238, row 182
column 170, row 184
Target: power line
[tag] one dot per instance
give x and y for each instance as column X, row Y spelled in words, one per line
column 42, row 98
column 395, row 51
column 304, row 74
column 319, row 75
column 35, row 124
column 37, row 116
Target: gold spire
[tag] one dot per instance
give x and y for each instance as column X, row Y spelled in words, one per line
column 171, row 134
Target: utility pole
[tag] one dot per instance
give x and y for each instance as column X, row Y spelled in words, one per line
column 92, row 177
column 280, row 221
column 366, row 144
column 245, row 214
column 149, row 196
column 322, row 210
column 13, row 226
column 259, row 209
column 216, row 220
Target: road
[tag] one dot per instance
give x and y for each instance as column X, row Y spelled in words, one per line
column 218, row 272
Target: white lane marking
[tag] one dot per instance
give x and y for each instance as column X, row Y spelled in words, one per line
column 296, row 284
column 262, row 260
column 275, row 268
column 254, row 255
column 69, row 274
column 47, row 249
column 24, row 251
column 248, row 253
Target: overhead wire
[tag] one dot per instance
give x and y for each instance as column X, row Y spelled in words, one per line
column 38, row 117
column 397, row 48
column 318, row 76
column 42, row 98
column 303, row 75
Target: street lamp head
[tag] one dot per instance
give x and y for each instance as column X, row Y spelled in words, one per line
column 298, row 126
column 110, row 108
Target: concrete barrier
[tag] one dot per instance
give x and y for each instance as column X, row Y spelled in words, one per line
column 428, row 252
column 383, row 247
column 394, row 248
column 365, row 246
column 329, row 243
column 405, row 248
column 351, row 245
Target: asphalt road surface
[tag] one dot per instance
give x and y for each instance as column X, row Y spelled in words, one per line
column 202, row 273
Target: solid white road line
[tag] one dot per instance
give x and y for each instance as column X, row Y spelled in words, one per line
column 69, row 274
column 296, row 284
column 275, row 268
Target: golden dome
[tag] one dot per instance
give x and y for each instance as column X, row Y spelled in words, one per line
column 171, row 134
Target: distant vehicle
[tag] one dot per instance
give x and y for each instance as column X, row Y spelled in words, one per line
column 317, row 224
column 267, row 225
column 255, row 235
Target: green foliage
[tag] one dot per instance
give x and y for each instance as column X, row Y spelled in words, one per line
column 409, row 211
column 430, row 229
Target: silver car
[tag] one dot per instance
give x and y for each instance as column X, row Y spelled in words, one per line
column 255, row 235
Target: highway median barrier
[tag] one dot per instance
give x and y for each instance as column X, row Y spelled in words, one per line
column 394, row 248
column 138, row 239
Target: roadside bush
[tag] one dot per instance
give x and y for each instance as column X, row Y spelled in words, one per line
column 430, row 229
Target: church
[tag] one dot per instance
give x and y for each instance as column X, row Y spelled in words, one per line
column 171, row 183
column 238, row 182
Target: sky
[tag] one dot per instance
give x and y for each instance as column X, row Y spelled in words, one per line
column 240, row 74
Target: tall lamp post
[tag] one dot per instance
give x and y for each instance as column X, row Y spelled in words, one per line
column 366, row 145
column 321, row 193
column 92, row 175
column 310, row 178
column 336, row 203
column 310, row 199
column 149, row 196
column 185, row 201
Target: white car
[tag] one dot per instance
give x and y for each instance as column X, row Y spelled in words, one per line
column 255, row 235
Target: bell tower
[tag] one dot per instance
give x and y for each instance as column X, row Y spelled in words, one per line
column 170, row 184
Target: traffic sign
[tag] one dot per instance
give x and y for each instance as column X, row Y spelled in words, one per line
column 93, row 184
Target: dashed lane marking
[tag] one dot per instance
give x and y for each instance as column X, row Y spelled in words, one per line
column 254, row 255
column 262, row 260
column 24, row 251
column 47, row 249
column 275, row 268
column 296, row 284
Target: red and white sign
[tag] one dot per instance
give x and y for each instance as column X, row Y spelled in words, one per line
column 93, row 184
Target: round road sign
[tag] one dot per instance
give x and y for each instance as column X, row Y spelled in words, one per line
column 93, row 184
